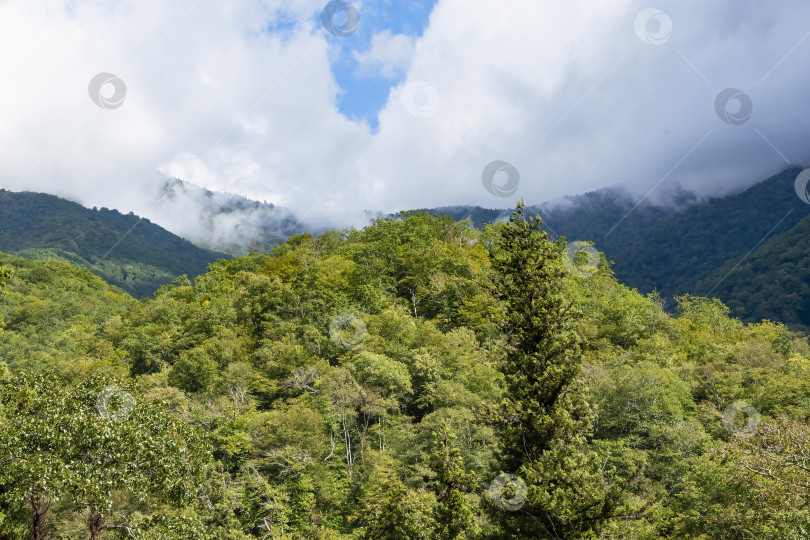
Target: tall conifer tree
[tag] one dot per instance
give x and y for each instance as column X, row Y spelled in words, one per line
column 544, row 419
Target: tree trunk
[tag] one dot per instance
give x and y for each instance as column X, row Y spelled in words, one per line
column 348, row 441
column 96, row 524
column 39, row 509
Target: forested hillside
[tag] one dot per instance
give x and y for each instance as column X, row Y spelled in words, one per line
column 689, row 247
column 415, row 379
column 772, row 283
column 678, row 252
column 125, row 250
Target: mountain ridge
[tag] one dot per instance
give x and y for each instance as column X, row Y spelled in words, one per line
column 682, row 248
column 125, row 250
column 686, row 247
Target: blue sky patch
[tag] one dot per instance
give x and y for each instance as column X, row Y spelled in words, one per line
column 363, row 97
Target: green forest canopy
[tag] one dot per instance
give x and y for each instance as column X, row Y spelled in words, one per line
column 415, row 379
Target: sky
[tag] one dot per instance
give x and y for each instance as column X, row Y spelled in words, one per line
column 333, row 109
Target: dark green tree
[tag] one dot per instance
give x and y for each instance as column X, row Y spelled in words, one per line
column 454, row 514
column 544, row 420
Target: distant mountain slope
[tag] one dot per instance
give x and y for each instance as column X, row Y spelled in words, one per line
column 124, row 250
column 690, row 246
column 609, row 217
column 227, row 222
column 478, row 216
column 771, row 283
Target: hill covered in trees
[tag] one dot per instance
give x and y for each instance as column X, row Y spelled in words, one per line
column 772, row 282
column 687, row 247
column 415, row 379
column 125, row 250
column 694, row 247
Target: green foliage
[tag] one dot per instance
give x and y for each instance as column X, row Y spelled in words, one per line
column 454, row 514
column 387, row 510
column 544, row 419
column 65, row 444
column 639, row 402
column 481, row 356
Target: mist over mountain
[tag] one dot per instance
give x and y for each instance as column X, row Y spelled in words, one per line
column 226, row 222
column 688, row 246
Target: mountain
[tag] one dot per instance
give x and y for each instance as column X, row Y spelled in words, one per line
column 741, row 248
column 771, row 283
column 610, row 217
column 718, row 247
column 124, row 250
column 226, row 222
column 686, row 247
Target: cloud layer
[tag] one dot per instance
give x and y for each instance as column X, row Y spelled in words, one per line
column 241, row 96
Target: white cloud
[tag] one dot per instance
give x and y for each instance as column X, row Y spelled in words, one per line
column 388, row 56
column 564, row 91
column 568, row 94
column 193, row 170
